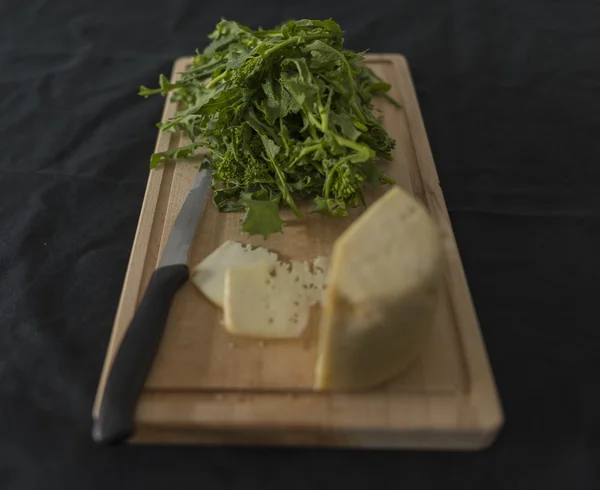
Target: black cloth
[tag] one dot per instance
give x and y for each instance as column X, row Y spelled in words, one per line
column 510, row 95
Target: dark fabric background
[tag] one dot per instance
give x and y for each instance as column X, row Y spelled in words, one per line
column 510, row 95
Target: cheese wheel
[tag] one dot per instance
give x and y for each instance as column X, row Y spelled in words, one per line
column 382, row 294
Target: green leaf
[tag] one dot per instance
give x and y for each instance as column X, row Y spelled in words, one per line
column 363, row 155
column 271, row 148
column 343, row 123
column 273, row 106
column 300, row 65
column 331, row 207
column 226, row 198
column 220, row 43
column 328, row 24
column 380, row 87
column 259, row 126
column 212, row 101
column 307, row 183
column 288, row 102
column 303, row 93
column 375, row 177
column 173, row 154
column 225, row 34
column 237, row 58
column 262, row 217
column 322, row 56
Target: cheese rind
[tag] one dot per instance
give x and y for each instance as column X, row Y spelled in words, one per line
column 271, row 301
column 382, row 295
column 209, row 275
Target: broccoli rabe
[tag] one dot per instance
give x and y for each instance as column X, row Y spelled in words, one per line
column 286, row 114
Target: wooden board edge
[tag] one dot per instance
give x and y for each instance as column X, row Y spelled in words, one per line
column 455, row 440
column 137, row 256
column 270, row 414
column 483, row 391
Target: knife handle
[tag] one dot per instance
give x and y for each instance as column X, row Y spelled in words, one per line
column 135, row 355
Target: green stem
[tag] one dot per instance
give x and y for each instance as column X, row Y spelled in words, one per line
column 348, row 143
column 285, row 191
column 335, row 84
column 318, row 168
column 277, row 47
column 352, row 94
column 313, row 119
column 355, row 108
column 360, row 126
column 329, row 178
column 306, row 151
column 262, row 35
column 309, row 149
column 293, row 40
column 283, row 139
column 214, row 81
column 390, row 99
column 324, row 111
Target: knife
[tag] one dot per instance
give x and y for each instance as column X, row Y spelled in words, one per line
column 127, row 375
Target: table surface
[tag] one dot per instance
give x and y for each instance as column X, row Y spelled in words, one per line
column 510, row 97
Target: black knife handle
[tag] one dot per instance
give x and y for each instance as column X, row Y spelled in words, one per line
column 135, row 355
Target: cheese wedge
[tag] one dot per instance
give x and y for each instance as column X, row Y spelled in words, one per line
column 209, row 275
column 272, row 302
column 383, row 285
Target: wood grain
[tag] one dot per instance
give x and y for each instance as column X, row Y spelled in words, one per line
column 207, row 386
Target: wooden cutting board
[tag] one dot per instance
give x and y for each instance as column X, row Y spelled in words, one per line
column 207, row 386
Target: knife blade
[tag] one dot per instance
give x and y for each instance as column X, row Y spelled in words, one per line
column 127, row 375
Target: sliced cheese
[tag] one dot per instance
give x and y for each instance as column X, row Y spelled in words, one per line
column 272, row 302
column 209, row 275
column 382, row 294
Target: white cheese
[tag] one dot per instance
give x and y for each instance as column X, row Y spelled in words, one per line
column 272, row 302
column 209, row 275
column 382, row 294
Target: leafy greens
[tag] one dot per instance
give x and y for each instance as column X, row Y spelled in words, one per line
column 286, row 114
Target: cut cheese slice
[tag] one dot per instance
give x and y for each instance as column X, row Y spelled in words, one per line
column 209, row 275
column 382, row 294
column 272, row 302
